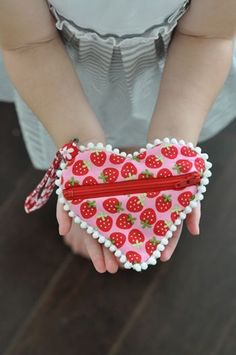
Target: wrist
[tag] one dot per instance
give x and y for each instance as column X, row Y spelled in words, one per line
column 160, row 131
column 85, row 133
column 170, row 134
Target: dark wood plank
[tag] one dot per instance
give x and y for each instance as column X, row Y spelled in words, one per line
column 30, row 250
column 185, row 306
column 179, row 307
column 13, row 157
column 82, row 311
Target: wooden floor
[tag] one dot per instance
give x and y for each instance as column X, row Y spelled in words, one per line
column 52, row 302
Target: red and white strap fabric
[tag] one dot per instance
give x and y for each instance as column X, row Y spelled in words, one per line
column 40, row 195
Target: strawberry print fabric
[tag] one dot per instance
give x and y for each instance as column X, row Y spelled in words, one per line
column 134, row 223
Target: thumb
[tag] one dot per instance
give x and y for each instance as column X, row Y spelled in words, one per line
column 63, row 219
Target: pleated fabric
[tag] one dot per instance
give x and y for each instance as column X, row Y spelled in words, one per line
column 121, row 77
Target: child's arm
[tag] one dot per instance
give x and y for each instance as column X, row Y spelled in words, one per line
column 41, row 70
column 197, row 64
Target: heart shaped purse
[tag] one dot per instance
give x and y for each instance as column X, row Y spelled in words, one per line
column 130, row 203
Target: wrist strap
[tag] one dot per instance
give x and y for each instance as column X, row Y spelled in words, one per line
column 40, row 195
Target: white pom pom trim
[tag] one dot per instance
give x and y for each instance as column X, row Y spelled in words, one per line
column 71, row 214
column 100, row 145
column 58, row 182
column 164, row 241
column 137, row 267
column 152, row 260
column 160, row 247
column 142, row 150
column 149, row 146
column 116, row 151
column 90, row 145
column 166, row 140
column 173, row 141
column 108, row 148
column 158, row 141
column 157, row 253
column 123, row 258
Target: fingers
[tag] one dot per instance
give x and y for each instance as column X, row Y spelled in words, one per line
column 110, row 261
column 193, row 220
column 83, row 244
column 63, row 219
column 96, row 254
column 167, row 253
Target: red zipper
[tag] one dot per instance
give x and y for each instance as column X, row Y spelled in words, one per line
column 132, row 186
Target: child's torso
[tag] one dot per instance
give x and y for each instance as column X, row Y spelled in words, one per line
column 116, row 16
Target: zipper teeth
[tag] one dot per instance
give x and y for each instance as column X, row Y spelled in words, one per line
column 128, row 187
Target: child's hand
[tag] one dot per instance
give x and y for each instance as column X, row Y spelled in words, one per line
column 83, row 244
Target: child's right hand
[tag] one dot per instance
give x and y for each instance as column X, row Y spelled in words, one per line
column 83, row 244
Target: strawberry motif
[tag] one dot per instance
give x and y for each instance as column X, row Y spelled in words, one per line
column 71, row 182
column 133, row 257
column 98, row 158
column 80, row 167
column 153, row 161
column 187, row 152
column 76, row 201
column 118, row 239
column 161, row 227
column 116, row 159
column 151, row 245
column 125, row 221
column 136, row 237
column 148, row 217
column 128, row 170
column 112, row 205
column 146, row 174
column 152, row 194
column 163, row 203
column 104, row 222
column 175, row 213
column 109, row 175
column 88, row 209
column 185, row 197
column 140, row 156
column 169, row 151
column 135, row 203
column 199, row 165
column 183, row 166
column 164, row 172
column 89, row 180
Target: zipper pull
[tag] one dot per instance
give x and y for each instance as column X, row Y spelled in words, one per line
column 193, row 179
